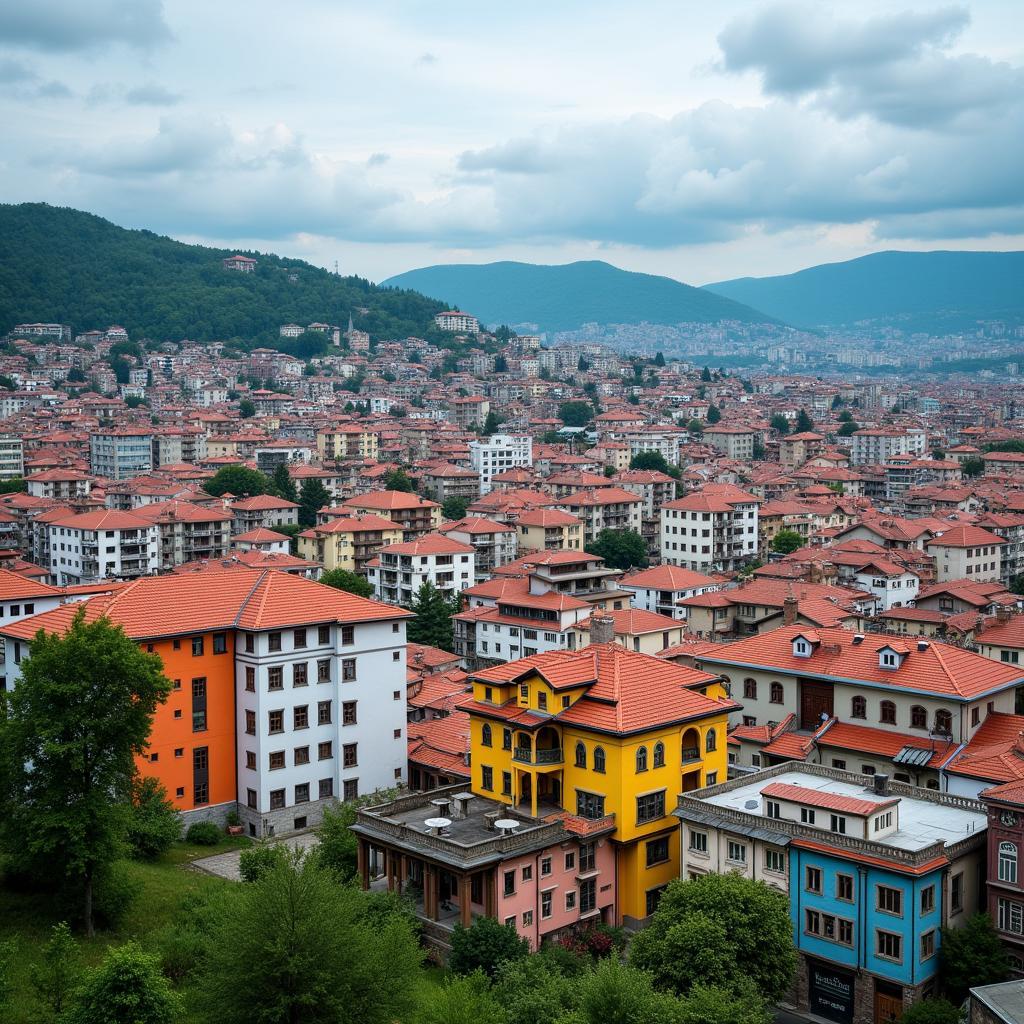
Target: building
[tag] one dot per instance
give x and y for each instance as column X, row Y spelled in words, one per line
column 604, row 508
column 12, row 457
column 120, row 453
column 263, row 511
column 457, row 322
column 243, row 264
column 661, row 588
column 414, row 514
column 875, row 447
column 446, row 481
column 102, row 545
column 634, row 629
column 967, row 553
column 494, row 543
column 189, row 533
column 548, row 529
column 1005, row 878
column 470, row 411
column 713, row 528
column 873, row 872
column 286, row 694
column 498, row 453
column 733, row 442
column 348, row 542
column 348, row 441
column 399, row 571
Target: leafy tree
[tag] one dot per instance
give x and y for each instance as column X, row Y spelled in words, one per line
column 758, row 453
column 650, row 460
column 313, row 496
column 1017, row 584
column 75, row 376
column 484, row 946
column 849, row 428
column 500, row 364
column 154, row 824
column 337, row 842
column 931, row 1011
column 705, row 375
column 127, row 988
column 352, row 582
column 398, row 480
column 786, row 541
column 492, row 424
column 582, row 365
column 838, row 402
column 803, row 422
column 621, row 549
column 255, row 861
column 1010, row 445
column 779, row 423
column 714, row 414
column 575, row 413
column 455, row 507
column 845, row 416
column 972, row 466
column 78, row 717
column 433, row 622
column 56, row 978
column 615, row 993
column 534, row 989
column 296, row 947
column 704, row 1005
column 246, row 408
column 238, row 480
column 134, row 401
column 755, row 936
column 7, row 951
column 695, row 427
column 466, row 1000
column 659, row 359
column 283, row 484
column 16, row 485
column 971, row 955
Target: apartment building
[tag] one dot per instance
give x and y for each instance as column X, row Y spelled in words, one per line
column 714, row 528
column 457, row 322
column 470, row 411
column 188, row 532
column 733, row 441
column 661, row 588
column 876, row 446
column 604, row 508
column 102, row 545
column 287, row 694
column 348, row 441
column 494, row 543
column 263, row 511
column 549, row 529
column 399, row 570
column 59, row 484
column 414, row 514
column 796, row 449
column 1004, row 887
column 12, row 457
column 967, row 553
column 499, row 453
column 348, row 542
column 120, row 453
column 446, row 481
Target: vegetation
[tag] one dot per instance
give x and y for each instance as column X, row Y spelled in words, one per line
column 433, row 623
column 651, row 460
column 454, row 508
column 57, row 976
column 239, row 481
column 153, row 824
column 714, row 414
column 575, row 413
column 352, row 582
column 848, row 428
column 785, row 542
column 127, row 988
column 203, row 833
column 931, row 1011
column 313, row 496
column 484, row 946
column 971, row 955
column 397, row 480
column 779, row 423
column 621, row 549
column 972, row 466
column 283, row 484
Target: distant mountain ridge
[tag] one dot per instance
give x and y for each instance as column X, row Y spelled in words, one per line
column 63, row 265
column 566, row 296
column 936, row 291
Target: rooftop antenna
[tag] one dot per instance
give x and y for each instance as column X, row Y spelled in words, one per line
column 336, row 274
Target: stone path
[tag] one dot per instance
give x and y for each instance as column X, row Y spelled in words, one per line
column 225, row 865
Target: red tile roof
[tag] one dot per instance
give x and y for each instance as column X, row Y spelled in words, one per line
column 995, row 752
column 825, row 800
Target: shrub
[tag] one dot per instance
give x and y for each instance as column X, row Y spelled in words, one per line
column 181, row 950
column 484, row 945
column 256, row 861
column 113, row 893
column 153, row 824
column 126, row 988
column 203, row 833
column 931, row 1011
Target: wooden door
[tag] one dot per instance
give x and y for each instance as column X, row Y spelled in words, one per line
column 888, row 1008
column 815, row 702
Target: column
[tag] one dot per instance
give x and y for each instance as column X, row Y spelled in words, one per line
column 363, row 863
column 534, row 777
column 491, row 892
column 465, row 900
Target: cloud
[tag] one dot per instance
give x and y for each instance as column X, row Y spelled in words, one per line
column 75, row 25
column 892, row 67
column 14, row 72
column 25, row 83
column 179, row 145
column 377, row 159
column 426, row 58
column 152, row 95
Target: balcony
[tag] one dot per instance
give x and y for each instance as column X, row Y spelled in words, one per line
column 549, row 755
column 690, row 755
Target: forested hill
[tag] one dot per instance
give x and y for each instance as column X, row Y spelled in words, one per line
column 62, row 265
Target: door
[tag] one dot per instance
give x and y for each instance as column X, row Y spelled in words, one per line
column 815, row 703
column 888, row 1002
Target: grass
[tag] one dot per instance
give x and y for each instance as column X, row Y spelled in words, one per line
column 26, row 918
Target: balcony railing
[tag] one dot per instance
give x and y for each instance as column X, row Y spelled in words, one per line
column 690, row 754
column 550, row 755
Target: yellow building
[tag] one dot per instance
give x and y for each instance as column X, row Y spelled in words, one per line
column 348, row 542
column 599, row 732
column 549, row 529
column 348, row 441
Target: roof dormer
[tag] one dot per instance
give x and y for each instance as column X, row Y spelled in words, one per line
column 804, row 644
column 891, row 656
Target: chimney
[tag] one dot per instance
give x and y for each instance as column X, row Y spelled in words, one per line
column 1003, row 613
column 789, row 607
column 881, row 783
column 922, row 645
column 979, row 625
column 602, row 628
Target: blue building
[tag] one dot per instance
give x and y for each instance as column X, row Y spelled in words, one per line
column 872, row 872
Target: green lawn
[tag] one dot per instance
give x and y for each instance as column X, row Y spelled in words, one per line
column 27, row 917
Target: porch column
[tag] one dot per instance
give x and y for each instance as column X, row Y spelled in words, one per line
column 533, row 794
column 491, row 892
column 363, row 862
column 465, row 900
column 430, row 892
column 402, row 874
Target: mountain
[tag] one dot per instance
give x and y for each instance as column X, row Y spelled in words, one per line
column 919, row 291
column 563, row 298
column 62, row 265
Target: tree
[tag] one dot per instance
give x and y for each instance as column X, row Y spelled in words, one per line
column 296, row 947
column 484, row 946
column 753, row 929
column 938, row 455
column 704, row 1005
column 80, row 714
column 154, row 824
column 650, row 460
column 582, row 365
column 971, row 955
column 500, row 364
column 972, row 466
column 615, row 993
column 757, row 453
column 931, row 1011
column 246, row 408
column 492, row 424
column 313, row 496
column 455, row 507
column 785, row 542
column 779, row 423
column 127, row 988
column 659, row 359
column 56, row 978
column 714, row 414
column 848, row 428
column 621, row 549
column 804, row 422
column 838, row 402
column 238, row 480
column 433, row 622
column 7, row 951
column 534, row 989
column 462, row 1001
column 283, row 484
column 398, row 480
column 695, row 427
column 337, row 842
column 16, row 485
column 576, row 413
column 351, row 582
column 705, row 375
column 1017, row 584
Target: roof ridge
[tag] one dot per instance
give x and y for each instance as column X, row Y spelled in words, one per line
column 248, row 597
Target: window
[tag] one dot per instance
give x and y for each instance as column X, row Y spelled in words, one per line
column 323, row 712
column 251, row 799
column 589, row 805
column 889, row 900
column 274, row 641
column 275, row 760
column 509, row 886
column 350, row 790
column 570, row 900
column 348, row 712
column 302, row 793
column 220, row 643
column 775, row 693
column 250, row 723
column 581, row 755
column 545, row 904
column 587, row 857
column 199, row 705
column 652, row 899
column 348, row 670
column 599, row 759
column 350, row 755
column 887, row 712
column 844, row 888
column 275, row 678
column 1011, row 916
column 323, row 634
column 928, row 945
column 775, row 861
column 927, row 899
column 348, row 636
column 773, row 809
column 657, row 851
column 889, row 946
column 323, row 670
column 527, row 872
column 944, row 722
column 250, row 643
column 197, row 647
column 650, row 807
column 858, row 708
column 527, row 918
column 838, row 824
column 276, row 799
column 301, row 755
column 737, row 852
column 659, row 755
column 250, row 679
column 325, row 750
column 807, row 815
column 1008, row 862
column 956, row 893
column 813, row 880
column 975, row 715
column 918, row 717
column 812, row 922
column 542, row 697
column 711, row 741
column 750, row 688
column 299, row 638
column 486, row 777
column 300, row 717
column 570, row 860
column 641, row 759
column 485, row 735
column 506, row 739
column 275, row 721
column 698, row 842
column 326, row 788
column 588, row 895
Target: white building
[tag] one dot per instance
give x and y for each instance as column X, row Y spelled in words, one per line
column 967, row 553
column 102, row 545
column 457, row 322
column 497, row 453
column 12, row 457
column 400, row 570
column 875, row 446
column 713, row 528
column 661, row 588
column 121, row 453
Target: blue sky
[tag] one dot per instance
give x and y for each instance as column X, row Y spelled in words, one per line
column 699, row 140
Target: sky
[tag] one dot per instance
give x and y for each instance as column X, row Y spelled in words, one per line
column 703, row 141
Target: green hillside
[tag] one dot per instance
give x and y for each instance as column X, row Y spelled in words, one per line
column 562, row 298
column 918, row 291
column 62, row 265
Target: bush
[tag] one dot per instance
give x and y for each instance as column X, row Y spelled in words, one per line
column 181, row 950
column 203, row 833
column 153, row 824
column 126, row 988
column 484, row 945
column 113, row 893
column 931, row 1011
column 256, row 861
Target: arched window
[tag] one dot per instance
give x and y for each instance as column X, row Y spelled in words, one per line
column 887, row 712
column 1008, row 862
column 918, row 717
column 711, row 742
column 775, row 693
column 944, row 721
column 858, row 708
column 750, row 688
column 485, row 735
column 581, row 756
column 659, row 755
column 599, row 759
column 641, row 759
